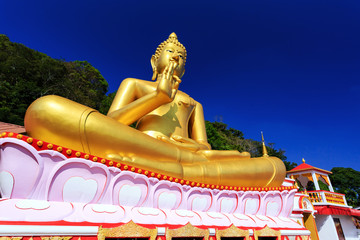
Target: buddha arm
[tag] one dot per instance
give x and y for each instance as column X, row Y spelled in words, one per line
column 130, row 103
column 197, row 130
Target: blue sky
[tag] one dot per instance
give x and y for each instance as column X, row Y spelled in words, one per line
column 288, row 68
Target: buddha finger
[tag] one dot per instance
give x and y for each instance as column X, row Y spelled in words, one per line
column 173, row 93
column 163, row 138
column 166, row 71
column 173, row 64
column 177, row 79
column 184, row 139
column 176, row 85
column 177, row 138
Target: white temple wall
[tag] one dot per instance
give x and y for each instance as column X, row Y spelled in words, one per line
column 326, row 227
column 348, row 227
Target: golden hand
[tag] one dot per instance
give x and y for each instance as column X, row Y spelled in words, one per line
column 168, row 82
column 125, row 110
column 184, row 142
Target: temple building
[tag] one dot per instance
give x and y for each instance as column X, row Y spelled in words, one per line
column 335, row 219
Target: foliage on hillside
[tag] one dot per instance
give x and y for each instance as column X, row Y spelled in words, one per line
column 221, row 137
column 347, row 181
column 26, row 75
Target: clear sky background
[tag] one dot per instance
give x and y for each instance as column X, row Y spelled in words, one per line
column 288, row 68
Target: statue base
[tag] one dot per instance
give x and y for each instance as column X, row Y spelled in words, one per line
column 49, row 190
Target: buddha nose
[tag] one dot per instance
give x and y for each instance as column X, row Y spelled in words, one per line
column 176, row 58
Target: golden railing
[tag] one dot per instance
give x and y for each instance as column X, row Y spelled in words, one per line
column 327, row 197
column 315, row 197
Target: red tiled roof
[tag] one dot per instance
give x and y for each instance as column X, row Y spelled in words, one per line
column 305, row 166
column 335, row 210
column 8, row 127
column 302, row 167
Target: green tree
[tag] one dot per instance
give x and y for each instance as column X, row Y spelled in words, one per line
column 220, row 137
column 310, row 186
column 347, row 181
column 215, row 138
column 89, row 86
column 26, row 75
column 106, row 103
column 323, row 186
column 289, row 165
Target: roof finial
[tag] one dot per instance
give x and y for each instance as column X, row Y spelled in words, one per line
column 265, row 154
column 303, row 160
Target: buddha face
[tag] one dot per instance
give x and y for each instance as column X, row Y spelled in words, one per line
column 169, row 52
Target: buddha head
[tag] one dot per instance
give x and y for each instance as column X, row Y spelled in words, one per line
column 171, row 49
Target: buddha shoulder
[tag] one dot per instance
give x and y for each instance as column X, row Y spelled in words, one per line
column 184, row 99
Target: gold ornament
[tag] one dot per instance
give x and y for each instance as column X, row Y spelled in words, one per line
column 267, row 232
column 187, row 231
column 232, row 231
column 128, row 230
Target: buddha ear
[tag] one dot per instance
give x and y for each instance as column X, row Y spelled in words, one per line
column 153, row 65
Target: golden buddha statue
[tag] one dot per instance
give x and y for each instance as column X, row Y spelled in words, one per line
column 170, row 137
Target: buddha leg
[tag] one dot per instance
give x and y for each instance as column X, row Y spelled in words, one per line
column 246, row 172
column 63, row 122
column 57, row 120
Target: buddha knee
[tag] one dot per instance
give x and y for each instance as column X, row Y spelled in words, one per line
column 56, row 119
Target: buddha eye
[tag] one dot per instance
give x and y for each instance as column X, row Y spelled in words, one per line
column 170, row 51
column 182, row 57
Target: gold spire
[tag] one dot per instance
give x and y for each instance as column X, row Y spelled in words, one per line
column 265, row 154
column 303, row 160
column 293, row 178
